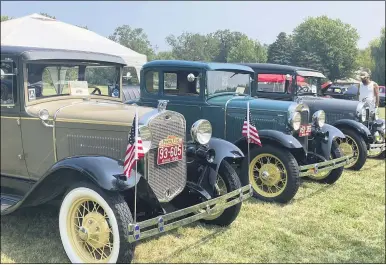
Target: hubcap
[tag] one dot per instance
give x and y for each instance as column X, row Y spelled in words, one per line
column 349, row 147
column 268, row 175
column 89, row 231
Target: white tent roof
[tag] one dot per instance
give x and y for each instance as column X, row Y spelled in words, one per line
column 40, row 31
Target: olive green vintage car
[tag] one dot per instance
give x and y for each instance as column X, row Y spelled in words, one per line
column 64, row 135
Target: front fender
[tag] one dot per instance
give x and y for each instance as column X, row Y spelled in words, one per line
column 332, row 133
column 356, row 126
column 106, row 172
column 281, row 138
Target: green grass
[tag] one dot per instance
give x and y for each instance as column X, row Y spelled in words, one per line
column 341, row 223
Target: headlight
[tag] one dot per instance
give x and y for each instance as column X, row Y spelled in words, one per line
column 201, row 131
column 363, row 115
column 145, row 134
column 361, row 112
column 295, row 120
column 319, row 118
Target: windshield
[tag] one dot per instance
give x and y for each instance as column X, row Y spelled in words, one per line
column 308, row 85
column 224, row 81
column 80, row 79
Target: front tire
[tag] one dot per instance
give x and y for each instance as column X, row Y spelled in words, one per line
column 227, row 181
column 94, row 225
column 333, row 175
column 273, row 174
column 353, row 144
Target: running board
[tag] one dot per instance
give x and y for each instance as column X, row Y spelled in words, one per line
column 8, row 201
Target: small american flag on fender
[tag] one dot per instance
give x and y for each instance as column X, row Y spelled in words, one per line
column 249, row 129
column 134, row 149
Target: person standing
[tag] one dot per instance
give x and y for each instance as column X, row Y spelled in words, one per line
column 368, row 90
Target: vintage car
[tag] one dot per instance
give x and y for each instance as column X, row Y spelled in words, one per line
column 65, row 135
column 364, row 131
column 220, row 93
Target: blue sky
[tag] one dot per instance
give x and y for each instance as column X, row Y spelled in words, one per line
column 259, row 20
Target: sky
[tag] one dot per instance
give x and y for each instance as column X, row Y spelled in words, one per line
column 261, row 21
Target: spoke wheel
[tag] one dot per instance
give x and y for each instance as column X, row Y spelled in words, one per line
column 268, row 175
column 89, row 230
column 349, row 147
column 221, row 189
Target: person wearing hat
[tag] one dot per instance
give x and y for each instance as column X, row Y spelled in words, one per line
column 368, row 90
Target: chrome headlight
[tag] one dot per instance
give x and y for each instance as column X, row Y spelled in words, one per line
column 295, row 120
column 201, row 131
column 145, row 134
column 319, row 118
column 361, row 112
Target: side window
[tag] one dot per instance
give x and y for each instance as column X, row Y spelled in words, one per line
column 273, row 83
column 151, row 81
column 130, row 77
column 176, row 83
column 8, row 83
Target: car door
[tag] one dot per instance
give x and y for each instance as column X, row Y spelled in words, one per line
column 13, row 167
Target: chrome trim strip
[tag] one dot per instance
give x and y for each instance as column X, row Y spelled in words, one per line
column 377, row 147
column 310, row 170
column 157, row 225
column 225, row 113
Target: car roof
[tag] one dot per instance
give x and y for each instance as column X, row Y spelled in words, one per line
column 196, row 64
column 277, row 67
column 35, row 53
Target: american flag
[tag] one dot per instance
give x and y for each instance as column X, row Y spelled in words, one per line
column 249, row 129
column 134, row 149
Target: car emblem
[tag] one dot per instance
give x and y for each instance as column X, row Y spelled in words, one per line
column 162, row 105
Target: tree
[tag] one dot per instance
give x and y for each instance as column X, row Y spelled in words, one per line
column 247, row 51
column 168, row 55
column 192, row 46
column 280, row 52
column 47, row 15
column 364, row 59
column 331, row 41
column 378, row 54
column 5, row 18
column 225, row 40
column 133, row 38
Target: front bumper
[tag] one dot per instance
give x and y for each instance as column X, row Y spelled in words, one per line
column 310, row 170
column 377, row 147
column 188, row 215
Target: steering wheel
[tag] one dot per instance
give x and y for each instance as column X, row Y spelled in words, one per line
column 95, row 90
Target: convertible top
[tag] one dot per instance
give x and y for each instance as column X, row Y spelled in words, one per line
column 34, row 53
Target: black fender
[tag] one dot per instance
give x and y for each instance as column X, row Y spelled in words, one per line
column 358, row 127
column 222, row 149
column 332, row 133
column 105, row 172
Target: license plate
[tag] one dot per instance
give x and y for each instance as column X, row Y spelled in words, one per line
column 305, row 130
column 169, row 150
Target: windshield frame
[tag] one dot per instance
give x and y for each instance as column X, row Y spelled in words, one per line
column 63, row 97
column 235, row 71
column 318, row 87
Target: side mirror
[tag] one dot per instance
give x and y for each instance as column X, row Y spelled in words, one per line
column 191, row 77
column 44, row 117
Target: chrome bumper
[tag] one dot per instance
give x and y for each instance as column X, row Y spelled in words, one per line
column 168, row 221
column 309, row 170
column 377, row 147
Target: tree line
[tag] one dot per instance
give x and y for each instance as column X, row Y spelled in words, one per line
column 321, row 43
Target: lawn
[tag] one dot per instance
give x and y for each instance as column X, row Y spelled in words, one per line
column 341, row 223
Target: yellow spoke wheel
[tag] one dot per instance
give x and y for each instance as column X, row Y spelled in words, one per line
column 268, row 175
column 349, row 147
column 89, row 231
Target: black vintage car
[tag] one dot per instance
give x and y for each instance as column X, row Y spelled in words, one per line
column 364, row 131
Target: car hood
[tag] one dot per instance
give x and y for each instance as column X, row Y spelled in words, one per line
column 328, row 104
column 91, row 111
column 232, row 101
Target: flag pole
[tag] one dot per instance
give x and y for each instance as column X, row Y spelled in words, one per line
column 136, row 163
column 248, row 137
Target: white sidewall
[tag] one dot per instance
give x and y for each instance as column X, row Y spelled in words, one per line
column 70, row 198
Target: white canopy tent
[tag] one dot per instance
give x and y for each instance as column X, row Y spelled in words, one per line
column 39, row 31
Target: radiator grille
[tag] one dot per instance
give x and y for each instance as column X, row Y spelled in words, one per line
column 170, row 179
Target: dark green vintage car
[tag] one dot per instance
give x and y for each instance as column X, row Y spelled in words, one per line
column 364, row 131
column 220, row 93
column 64, row 137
